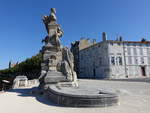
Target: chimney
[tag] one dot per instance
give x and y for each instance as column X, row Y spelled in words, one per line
column 120, row 38
column 104, row 36
column 143, row 40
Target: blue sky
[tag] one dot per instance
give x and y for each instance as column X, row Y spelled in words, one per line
column 21, row 27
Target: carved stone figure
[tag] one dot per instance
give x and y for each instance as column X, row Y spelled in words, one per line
column 69, row 62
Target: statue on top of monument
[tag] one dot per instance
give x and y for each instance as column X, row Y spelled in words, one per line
column 53, row 29
column 51, row 17
column 53, row 14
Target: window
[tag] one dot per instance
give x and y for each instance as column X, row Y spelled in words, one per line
column 120, row 60
column 129, row 60
column 113, row 60
column 148, row 60
column 141, row 51
column 148, row 51
column 129, row 51
column 118, row 53
column 136, row 60
column 111, row 53
column 142, row 60
column 135, row 51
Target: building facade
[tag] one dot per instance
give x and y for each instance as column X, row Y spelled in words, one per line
column 115, row 59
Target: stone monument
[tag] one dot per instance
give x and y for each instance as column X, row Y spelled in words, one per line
column 58, row 64
column 20, row 81
column 58, row 79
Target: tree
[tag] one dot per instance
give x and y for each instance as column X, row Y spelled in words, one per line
column 31, row 68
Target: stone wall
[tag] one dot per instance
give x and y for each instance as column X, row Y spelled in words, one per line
column 94, row 61
column 22, row 81
column 33, row 82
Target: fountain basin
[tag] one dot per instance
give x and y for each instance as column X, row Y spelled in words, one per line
column 80, row 97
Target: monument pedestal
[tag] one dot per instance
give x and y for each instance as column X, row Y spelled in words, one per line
column 82, row 96
column 54, row 77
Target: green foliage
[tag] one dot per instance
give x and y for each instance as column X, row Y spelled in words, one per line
column 30, row 67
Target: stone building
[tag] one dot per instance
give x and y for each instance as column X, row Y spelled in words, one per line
column 115, row 59
column 75, row 48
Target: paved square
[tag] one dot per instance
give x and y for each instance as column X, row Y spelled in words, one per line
column 134, row 97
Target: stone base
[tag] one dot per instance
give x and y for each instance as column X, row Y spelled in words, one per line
column 80, row 97
column 54, row 77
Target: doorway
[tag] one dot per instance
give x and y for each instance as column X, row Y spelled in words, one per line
column 94, row 73
column 143, row 71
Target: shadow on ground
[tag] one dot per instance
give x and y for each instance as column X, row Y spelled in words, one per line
column 27, row 92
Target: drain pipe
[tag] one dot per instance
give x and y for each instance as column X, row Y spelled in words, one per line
column 125, row 65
